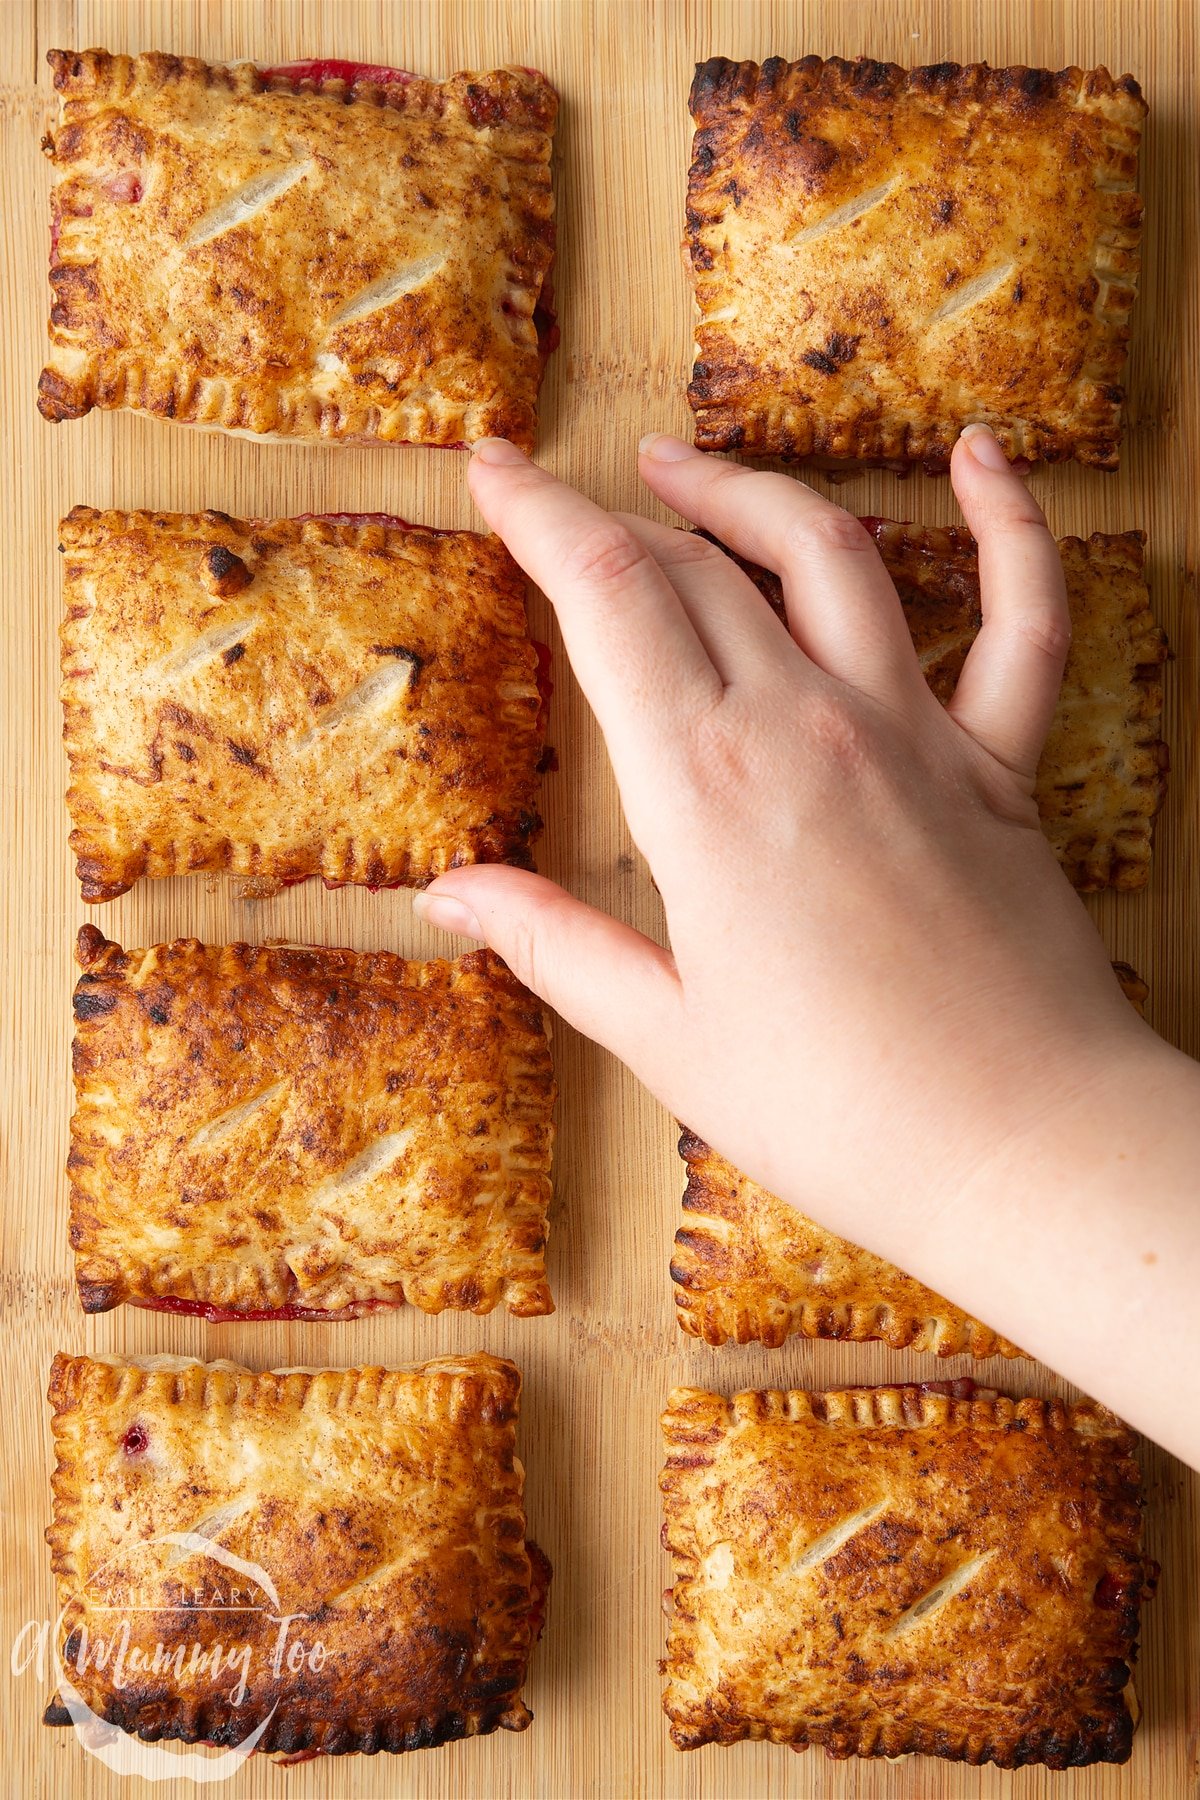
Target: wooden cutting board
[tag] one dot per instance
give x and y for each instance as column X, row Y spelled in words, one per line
column 597, row 1372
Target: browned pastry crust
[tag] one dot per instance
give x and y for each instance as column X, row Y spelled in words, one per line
column 384, row 1504
column 258, row 1129
column 1103, row 774
column 881, row 256
column 283, row 698
column 329, row 258
column 750, row 1268
column 882, row 1571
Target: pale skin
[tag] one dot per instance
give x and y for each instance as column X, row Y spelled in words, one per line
column 882, row 999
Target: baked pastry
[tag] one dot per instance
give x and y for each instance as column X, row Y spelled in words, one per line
column 346, row 697
column 887, row 1570
column 327, row 251
column 346, row 1547
column 307, row 1132
column 750, row 1268
column 1103, row 773
column 881, row 256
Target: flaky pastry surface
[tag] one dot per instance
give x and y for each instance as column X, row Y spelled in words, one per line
column 881, row 1571
column 284, row 698
column 384, row 1506
column 305, row 256
column 258, row 1129
column 881, row 256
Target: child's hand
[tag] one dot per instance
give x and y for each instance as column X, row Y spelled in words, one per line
column 878, row 968
column 882, row 996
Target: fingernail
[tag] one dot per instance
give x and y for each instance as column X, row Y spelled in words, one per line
column 497, row 450
column 659, row 446
column 981, row 441
column 447, row 913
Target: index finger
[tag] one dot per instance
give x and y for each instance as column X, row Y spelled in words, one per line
column 624, row 626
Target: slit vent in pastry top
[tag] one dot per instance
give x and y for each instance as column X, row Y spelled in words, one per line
column 881, row 256
column 881, row 1571
column 379, row 1512
column 345, row 696
column 750, row 1268
column 1103, row 773
column 307, row 1132
column 326, row 252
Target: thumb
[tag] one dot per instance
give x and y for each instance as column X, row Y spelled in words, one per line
column 608, row 980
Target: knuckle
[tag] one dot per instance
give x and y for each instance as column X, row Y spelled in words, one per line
column 718, row 472
column 1015, row 512
column 690, row 550
column 1048, row 632
column 733, row 488
column 833, row 728
column 827, row 529
column 604, row 553
column 722, row 758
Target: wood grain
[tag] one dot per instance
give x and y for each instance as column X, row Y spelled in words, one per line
column 596, row 1373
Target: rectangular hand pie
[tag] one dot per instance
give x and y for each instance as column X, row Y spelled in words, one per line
column 1103, row 774
column 342, row 696
column 750, row 1268
column 881, row 256
column 317, row 1561
column 307, row 1132
column 882, row 1571
column 327, row 251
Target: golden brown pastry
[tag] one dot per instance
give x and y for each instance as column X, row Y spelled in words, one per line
column 307, row 1131
column 325, row 251
column 1103, row 773
column 886, row 1570
column 343, row 696
column 881, row 256
column 749, row 1268
column 352, row 1541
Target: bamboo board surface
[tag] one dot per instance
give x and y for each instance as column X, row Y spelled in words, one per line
column 597, row 1372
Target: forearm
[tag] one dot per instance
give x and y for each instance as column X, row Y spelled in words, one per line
column 1078, row 1238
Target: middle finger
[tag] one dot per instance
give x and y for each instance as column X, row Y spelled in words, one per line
column 743, row 637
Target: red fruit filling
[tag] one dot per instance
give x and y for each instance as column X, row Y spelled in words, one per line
column 541, row 1573
column 125, row 189
column 390, row 521
column 232, row 1315
column 545, row 681
column 545, row 323
column 1112, row 1592
column 320, row 69
column 964, row 1388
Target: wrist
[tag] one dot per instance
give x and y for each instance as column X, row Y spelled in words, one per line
column 1079, row 1122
